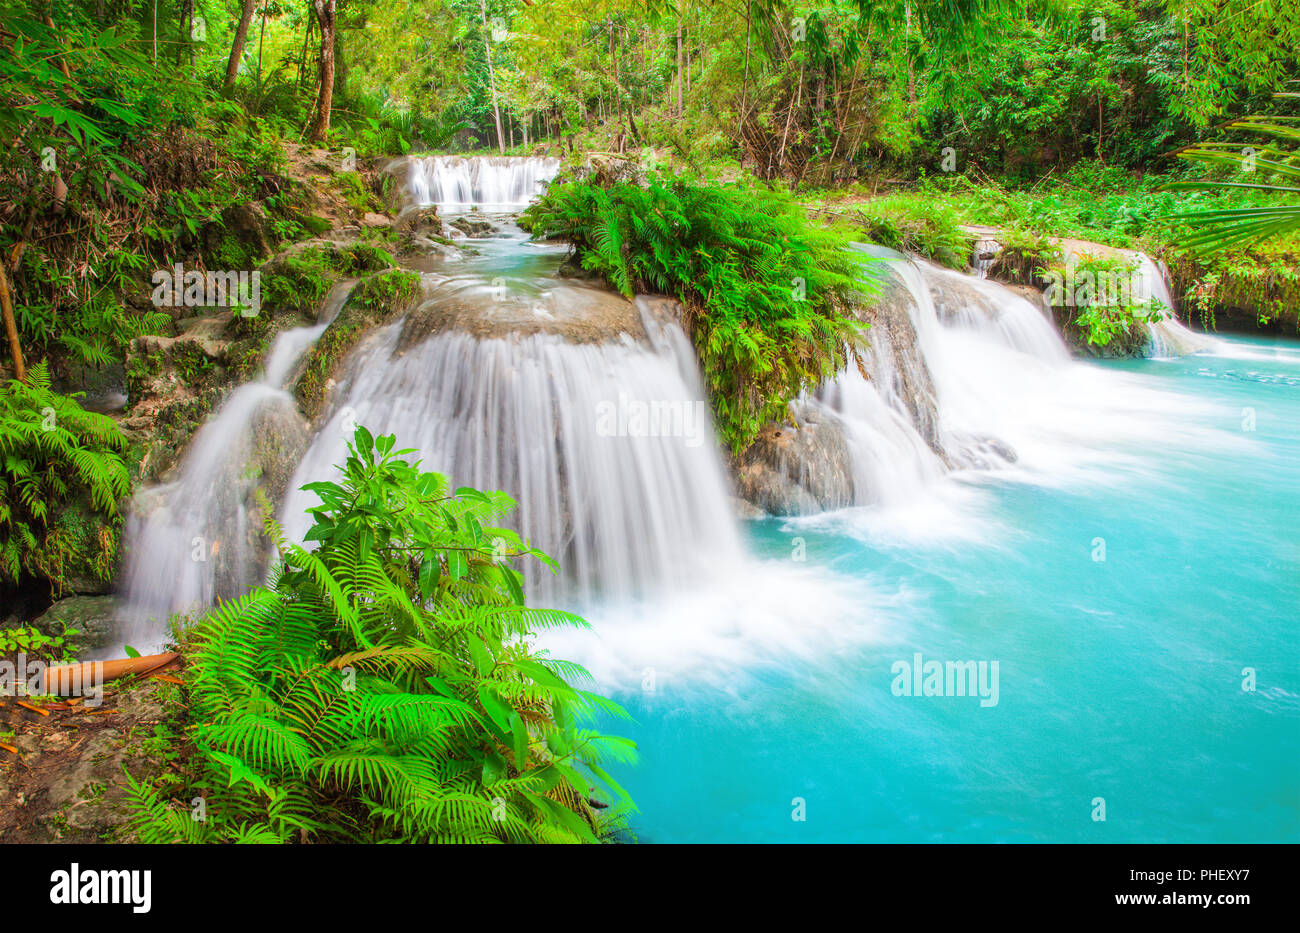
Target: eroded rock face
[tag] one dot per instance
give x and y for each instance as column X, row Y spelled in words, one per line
column 806, row 466
column 800, row 470
column 897, row 365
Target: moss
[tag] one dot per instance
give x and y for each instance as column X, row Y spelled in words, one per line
column 141, row 370
column 231, row 252
column 315, row 225
column 376, row 299
column 173, row 427
column 189, row 361
column 357, row 194
column 243, row 358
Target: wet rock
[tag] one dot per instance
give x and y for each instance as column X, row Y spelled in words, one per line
column 800, row 470
column 580, row 313
column 474, row 229
column 93, row 617
column 419, row 221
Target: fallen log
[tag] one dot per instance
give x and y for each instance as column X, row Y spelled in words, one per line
column 75, row 678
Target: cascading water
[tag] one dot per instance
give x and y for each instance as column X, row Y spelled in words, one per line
column 607, row 446
column 198, row 538
column 776, row 647
column 1169, row 336
column 457, row 181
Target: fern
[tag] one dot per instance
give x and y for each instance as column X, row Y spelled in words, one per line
column 61, row 479
column 767, row 294
column 382, row 687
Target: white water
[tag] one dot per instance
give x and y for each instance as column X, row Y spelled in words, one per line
column 1010, row 402
column 197, row 538
column 531, row 415
column 641, row 522
column 1169, row 336
column 489, row 181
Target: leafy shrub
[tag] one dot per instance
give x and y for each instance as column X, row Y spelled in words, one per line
column 383, row 687
column 61, row 477
column 766, row 294
column 36, row 645
column 927, row 228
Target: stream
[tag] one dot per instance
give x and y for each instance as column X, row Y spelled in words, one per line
column 1118, row 538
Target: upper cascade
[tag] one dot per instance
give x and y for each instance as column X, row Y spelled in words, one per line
column 503, row 182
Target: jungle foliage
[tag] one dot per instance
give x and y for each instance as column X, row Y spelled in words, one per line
column 62, row 477
column 767, row 295
column 384, row 686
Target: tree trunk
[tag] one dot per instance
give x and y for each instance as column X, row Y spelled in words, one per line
column 306, row 38
column 261, row 42
column 492, row 78
column 241, row 36
column 680, row 77
column 11, row 326
column 183, row 28
column 325, row 96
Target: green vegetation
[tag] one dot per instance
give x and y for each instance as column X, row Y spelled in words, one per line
column 908, row 224
column 768, row 296
column 1108, row 317
column 36, row 645
column 1267, row 167
column 383, row 686
column 61, row 479
column 376, row 298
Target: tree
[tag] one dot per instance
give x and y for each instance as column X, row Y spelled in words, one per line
column 241, row 36
column 492, row 80
column 325, row 14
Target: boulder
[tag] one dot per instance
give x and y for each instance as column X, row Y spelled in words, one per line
column 94, row 618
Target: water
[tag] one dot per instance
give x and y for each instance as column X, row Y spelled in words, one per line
column 480, row 181
column 538, row 416
column 197, row 538
column 1117, row 537
column 1119, row 678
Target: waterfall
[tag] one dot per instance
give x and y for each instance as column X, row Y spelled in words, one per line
column 502, row 182
column 920, row 401
column 606, row 445
column 1169, row 337
column 198, row 538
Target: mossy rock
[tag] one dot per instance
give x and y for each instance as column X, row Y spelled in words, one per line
column 377, row 299
column 297, row 282
column 141, row 371
column 93, row 619
column 77, row 553
column 1130, row 343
